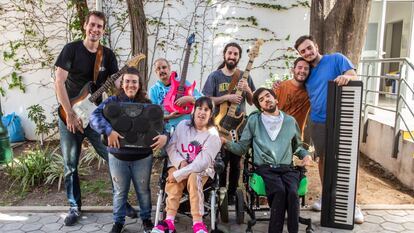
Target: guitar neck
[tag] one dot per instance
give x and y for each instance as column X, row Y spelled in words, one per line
column 108, row 83
column 185, row 65
column 233, row 106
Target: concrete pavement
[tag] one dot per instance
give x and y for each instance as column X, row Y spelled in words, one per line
column 378, row 218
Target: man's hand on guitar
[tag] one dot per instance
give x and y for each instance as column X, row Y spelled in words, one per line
column 113, row 139
column 184, row 99
column 73, row 122
column 243, row 85
column 233, row 98
column 172, row 115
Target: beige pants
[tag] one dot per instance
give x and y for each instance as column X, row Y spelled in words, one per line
column 195, row 183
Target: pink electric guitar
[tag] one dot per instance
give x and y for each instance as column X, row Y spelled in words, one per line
column 178, row 88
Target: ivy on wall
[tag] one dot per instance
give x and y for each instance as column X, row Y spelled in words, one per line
column 33, row 33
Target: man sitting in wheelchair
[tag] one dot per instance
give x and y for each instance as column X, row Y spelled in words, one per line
column 275, row 137
column 191, row 152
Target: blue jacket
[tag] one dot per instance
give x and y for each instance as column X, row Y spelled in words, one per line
column 102, row 126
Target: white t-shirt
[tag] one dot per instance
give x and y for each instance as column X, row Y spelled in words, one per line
column 272, row 124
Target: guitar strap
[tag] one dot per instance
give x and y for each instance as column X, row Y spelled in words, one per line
column 98, row 61
column 234, row 80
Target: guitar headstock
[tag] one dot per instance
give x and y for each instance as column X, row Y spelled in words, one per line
column 254, row 52
column 191, row 39
column 133, row 62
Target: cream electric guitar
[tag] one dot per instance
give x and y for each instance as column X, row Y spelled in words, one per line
column 84, row 104
column 227, row 122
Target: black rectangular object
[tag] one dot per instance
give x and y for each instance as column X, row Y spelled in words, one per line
column 341, row 158
column 138, row 123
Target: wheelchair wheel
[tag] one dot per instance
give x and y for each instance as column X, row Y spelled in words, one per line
column 239, row 206
column 223, row 206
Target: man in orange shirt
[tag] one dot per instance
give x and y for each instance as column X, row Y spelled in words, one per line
column 291, row 94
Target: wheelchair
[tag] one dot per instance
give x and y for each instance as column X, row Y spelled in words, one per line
column 215, row 198
column 254, row 186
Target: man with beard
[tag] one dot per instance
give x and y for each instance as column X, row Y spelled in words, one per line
column 74, row 68
column 325, row 67
column 292, row 96
column 216, row 87
column 160, row 89
column 274, row 137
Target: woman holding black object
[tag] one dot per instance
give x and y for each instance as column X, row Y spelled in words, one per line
column 128, row 164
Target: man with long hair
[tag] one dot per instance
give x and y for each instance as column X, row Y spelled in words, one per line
column 216, row 87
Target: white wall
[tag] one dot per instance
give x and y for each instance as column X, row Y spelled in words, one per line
column 290, row 23
column 396, row 11
column 381, row 134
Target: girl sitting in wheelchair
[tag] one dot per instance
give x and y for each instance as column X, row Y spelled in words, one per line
column 191, row 152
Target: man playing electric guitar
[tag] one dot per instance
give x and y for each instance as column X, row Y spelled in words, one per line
column 74, row 68
column 160, row 89
column 217, row 87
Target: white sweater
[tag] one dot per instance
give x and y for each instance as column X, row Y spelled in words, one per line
column 198, row 148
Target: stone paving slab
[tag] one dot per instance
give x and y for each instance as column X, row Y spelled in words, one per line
column 376, row 220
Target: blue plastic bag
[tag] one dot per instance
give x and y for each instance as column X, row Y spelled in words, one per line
column 14, row 127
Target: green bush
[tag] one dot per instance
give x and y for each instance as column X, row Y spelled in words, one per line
column 56, row 170
column 29, row 169
column 39, row 166
column 89, row 156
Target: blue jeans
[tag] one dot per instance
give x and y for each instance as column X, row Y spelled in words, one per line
column 71, row 144
column 122, row 172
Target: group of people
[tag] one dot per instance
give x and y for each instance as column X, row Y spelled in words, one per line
column 192, row 141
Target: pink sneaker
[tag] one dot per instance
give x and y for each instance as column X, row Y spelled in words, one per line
column 200, row 228
column 164, row 226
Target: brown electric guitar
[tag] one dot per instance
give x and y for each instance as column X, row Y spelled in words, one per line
column 84, row 104
column 227, row 122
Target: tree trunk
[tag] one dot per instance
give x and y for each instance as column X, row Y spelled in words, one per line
column 139, row 36
column 340, row 26
column 82, row 10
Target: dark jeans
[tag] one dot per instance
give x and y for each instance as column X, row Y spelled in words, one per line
column 234, row 172
column 282, row 195
column 318, row 136
column 71, row 144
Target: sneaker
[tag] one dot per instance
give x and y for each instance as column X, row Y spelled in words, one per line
column 359, row 217
column 117, row 228
column 148, row 225
column 72, row 217
column 164, row 226
column 200, row 228
column 130, row 211
column 317, row 206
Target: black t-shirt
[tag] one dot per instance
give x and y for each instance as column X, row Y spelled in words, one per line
column 79, row 62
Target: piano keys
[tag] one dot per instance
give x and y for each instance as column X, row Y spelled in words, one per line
column 341, row 159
